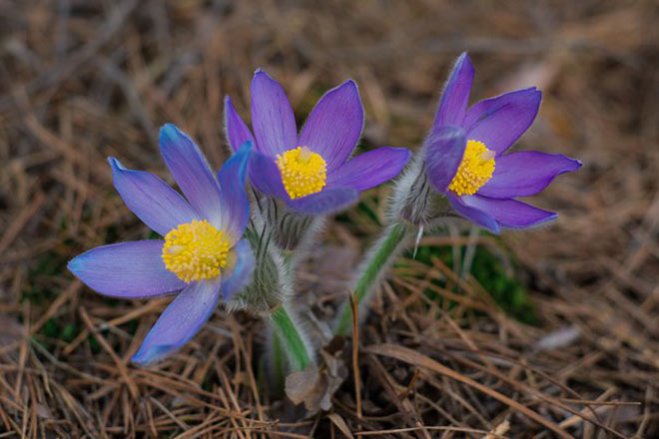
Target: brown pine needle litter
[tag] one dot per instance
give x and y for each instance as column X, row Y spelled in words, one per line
column 441, row 355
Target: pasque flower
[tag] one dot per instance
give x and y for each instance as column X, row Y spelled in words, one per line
column 202, row 255
column 465, row 160
column 311, row 172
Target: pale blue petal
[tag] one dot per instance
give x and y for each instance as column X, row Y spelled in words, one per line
column 192, row 173
column 239, row 275
column 235, row 204
column 159, row 206
column 129, row 270
column 181, row 321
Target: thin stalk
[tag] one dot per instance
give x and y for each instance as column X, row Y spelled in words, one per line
column 292, row 340
column 276, row 361
column 379, row 259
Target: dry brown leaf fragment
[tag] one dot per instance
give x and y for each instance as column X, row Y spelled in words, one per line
column 315, row 386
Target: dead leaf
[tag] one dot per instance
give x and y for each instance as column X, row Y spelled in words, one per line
column 315, row 386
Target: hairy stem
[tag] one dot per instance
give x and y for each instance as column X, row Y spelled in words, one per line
column 379, row 259
column 276, row 361
column 291, row 339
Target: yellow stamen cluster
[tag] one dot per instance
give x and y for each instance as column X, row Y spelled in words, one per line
column 475, row 170
column 195, row 251
column 303, row 172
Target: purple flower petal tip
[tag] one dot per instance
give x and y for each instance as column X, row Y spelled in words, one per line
column 236, row 129
column 74, row 266
column 115, row 164
column 170, row 133
column 464, row 62
column 260, row 70
column 526, row 173
column 192, row 173
column 569, row 164
column 335, row 124
column 455, row 96
column 145, row 357
column 262, row 75
column 228, row 103
column 273, row 120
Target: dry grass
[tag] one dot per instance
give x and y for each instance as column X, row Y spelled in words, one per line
column 83, row 80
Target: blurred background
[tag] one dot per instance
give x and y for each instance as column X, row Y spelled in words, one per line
column 559, row 322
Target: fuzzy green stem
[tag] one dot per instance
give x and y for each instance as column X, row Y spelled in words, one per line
column 378, row 260
column 291, row 339
column 277, row 361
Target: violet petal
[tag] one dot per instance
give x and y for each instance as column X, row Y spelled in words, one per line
column 335, row 124
column 273, row 120
column 498, row 122
column 526, row 173
column 477, row 216
column 370, row 169
column 265, row 175
column 236, row 129
column 455, row 96
column 510, row 213
column 444, row 150
column 325, row 202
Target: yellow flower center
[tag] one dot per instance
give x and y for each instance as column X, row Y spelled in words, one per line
column 195, row 251
column 303, row 172
column 475, row 170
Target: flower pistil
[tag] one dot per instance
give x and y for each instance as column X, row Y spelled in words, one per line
column 195, row 251
column 303, row 172
column 475, row 170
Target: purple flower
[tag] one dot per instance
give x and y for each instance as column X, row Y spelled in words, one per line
column 465, row 155
column 202, row 254
column 311, row 172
